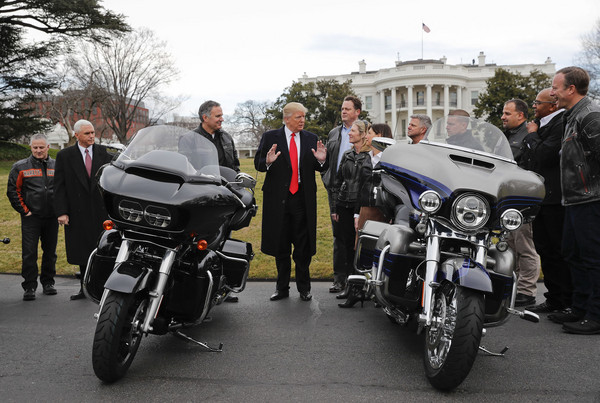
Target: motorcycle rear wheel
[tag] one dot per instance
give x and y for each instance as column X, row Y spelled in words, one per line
column 118, row 335
column 452, row 340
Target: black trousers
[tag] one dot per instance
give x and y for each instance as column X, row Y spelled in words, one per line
column 33, row 229
column 295, row 232
column 345, row 235
column 547, row 237
column 581, row 243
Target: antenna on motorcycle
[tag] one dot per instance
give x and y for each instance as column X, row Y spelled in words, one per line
column 381, row 143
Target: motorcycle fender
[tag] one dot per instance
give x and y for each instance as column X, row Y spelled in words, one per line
column 466, row 273
column 128, row 277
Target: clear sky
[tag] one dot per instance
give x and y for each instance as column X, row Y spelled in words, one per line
column 235, row 50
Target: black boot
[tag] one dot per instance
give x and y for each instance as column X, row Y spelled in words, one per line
column 344, row 294
column 354, row 296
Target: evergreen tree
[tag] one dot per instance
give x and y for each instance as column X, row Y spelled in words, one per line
column 504, row 86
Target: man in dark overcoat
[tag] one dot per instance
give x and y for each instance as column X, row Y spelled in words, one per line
column 77, row 200
column 289, row 198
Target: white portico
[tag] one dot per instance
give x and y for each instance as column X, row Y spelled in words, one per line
column 429, row 87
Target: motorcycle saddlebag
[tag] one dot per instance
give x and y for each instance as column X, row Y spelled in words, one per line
column 101, row 264
column 237, row 261
column 367, row 240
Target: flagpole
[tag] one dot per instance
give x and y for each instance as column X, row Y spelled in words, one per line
column 422, row 23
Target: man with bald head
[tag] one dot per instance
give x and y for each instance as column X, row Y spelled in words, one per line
column 541, row 154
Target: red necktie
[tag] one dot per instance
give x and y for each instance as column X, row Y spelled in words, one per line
column 294, row 161
column 88, row 163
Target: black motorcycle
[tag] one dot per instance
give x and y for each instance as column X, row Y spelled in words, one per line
column 166, row 257
column 444, row 262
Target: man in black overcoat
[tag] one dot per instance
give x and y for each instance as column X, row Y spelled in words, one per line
column 290, row 204
column 77, row 200
column 542, row 155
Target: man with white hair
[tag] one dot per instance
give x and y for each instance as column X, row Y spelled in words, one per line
column 77, row 200
column 30, row 191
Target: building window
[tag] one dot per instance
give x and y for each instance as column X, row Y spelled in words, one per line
column 388, row 102
column 420, row 98
column 438, row 98
column 403, row 127
column 474, row 96
column 453, row 99
column 368, row 102
column 402, row 100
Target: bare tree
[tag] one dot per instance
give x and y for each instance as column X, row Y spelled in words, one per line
column 590, row 58
column 75, row 97
column 131, row 69
column 249, row 121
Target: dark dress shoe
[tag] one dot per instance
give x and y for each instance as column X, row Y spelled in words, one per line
column 279, row 295
column 343, row 294
column 79, row 295
column 48, row 289
column 544, row 307
column 587, row 326
column 232, row 298
column 524, row 300
column 305, row 296
column 29, row 294
column 566, row 316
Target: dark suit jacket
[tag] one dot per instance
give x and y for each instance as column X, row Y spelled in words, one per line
column 330, row 177
column 542, row 155
column 78, row 196
column 277, row 183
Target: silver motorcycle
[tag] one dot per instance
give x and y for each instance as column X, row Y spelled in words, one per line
column 444, row 260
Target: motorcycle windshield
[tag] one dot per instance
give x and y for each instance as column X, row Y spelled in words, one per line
column 470, row 134
column 174, row 150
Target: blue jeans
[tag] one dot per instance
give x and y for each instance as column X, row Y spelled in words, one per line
column 581, row 251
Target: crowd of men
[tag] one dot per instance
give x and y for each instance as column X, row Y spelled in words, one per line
column 562, row 143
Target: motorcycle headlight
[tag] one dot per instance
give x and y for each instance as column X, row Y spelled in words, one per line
column 157, row 216
column 131, row 211
column 511, row 219
column 430, row 201
column 470, row 212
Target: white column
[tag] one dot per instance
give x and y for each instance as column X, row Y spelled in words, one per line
column 429, row 100
column 459, row 97
column 409, row 99
column 382, row 106
column 394, row 111
column 446, row 99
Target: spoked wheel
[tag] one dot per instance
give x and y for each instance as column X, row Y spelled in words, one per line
column 118, row 335
column 452, row 340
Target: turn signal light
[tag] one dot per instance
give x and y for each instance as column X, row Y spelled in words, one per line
column 202, row 244
column 108, row 225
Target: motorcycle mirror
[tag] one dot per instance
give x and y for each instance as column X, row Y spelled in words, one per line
column 381, row 143
column 245, row 180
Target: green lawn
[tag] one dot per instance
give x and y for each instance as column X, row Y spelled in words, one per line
column 262, row 267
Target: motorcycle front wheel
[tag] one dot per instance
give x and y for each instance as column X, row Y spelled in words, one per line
column 118, row 335
column 452, row 340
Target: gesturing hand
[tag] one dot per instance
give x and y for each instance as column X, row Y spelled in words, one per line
column 321, row 153
column 272, row 155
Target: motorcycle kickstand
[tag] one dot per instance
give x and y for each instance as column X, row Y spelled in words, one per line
column 201, row 344
column 488, row 352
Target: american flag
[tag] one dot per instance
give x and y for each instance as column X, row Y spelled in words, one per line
column 426, row 28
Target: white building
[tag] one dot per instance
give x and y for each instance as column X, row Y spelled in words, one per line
column 429, row 87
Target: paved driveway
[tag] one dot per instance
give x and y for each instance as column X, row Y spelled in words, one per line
column 280, row 351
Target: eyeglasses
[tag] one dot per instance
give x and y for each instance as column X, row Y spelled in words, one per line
column 536, row 102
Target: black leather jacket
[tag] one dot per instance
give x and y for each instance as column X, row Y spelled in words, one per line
column 580, row 154
column 225, row 147
column 31, row 186
column 349, row 177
